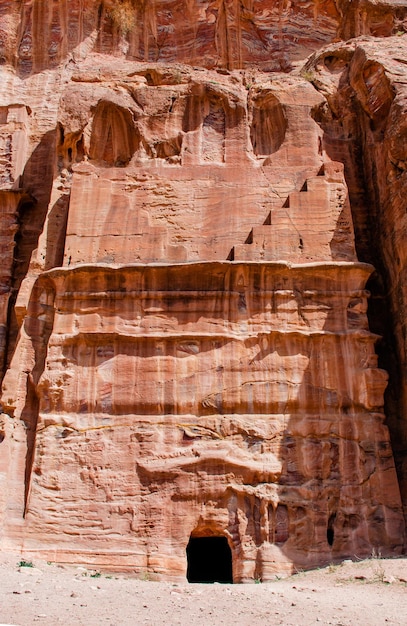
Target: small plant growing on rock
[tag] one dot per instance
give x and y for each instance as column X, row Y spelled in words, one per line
column 309, row 75
column 24, row 563
column 123, row 14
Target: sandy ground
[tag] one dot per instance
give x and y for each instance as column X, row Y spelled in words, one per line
column 365, row 593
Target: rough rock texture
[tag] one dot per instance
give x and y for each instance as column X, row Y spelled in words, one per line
column 365, row 127
column 193, row 216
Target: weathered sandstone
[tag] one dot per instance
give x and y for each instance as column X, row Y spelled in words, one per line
column 202, row 249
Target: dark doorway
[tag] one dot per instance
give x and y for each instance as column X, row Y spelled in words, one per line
column 330, row 533
column 209, row 560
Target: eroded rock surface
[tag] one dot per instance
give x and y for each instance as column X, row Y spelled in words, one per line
column 193, row 216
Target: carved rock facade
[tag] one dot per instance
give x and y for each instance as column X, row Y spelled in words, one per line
column 188, row 344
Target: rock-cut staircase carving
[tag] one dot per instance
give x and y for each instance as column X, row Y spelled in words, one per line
column 314, row 224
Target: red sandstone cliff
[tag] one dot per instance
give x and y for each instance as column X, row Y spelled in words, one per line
column 197, row 200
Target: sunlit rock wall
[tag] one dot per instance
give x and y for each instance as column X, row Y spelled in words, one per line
column 192, row 221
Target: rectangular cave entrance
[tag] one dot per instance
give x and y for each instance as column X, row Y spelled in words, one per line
column 209, row 560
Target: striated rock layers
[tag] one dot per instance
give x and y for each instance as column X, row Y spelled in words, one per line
column 193, row 217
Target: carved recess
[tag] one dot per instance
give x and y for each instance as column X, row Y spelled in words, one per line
column 269, row 124
column 113, row 138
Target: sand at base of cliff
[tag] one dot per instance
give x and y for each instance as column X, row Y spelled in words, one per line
column 371, row 592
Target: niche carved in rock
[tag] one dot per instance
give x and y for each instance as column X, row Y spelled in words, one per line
column 114, row 138
column 269, row 124
column 213, row 132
